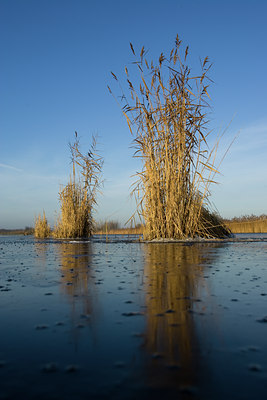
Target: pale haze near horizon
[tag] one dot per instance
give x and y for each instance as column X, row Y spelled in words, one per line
column 55, row 68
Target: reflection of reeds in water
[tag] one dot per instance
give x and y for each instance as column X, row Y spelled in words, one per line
column 75, row 262
column 41, row 250
column 173, row 274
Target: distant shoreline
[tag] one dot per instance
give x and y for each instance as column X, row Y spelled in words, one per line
column 245, row 224
column 25, row 232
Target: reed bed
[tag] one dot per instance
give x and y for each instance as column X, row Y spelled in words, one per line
column 76, row 218
column 42, row 228
column 78, row 197
column 166, row 114
column 113, row 228
column 248, row 224
column 121, row 231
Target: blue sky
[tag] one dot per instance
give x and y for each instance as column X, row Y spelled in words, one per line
column 56, row 58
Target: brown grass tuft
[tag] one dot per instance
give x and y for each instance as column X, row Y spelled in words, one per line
column 78, row 197
column 41, row 227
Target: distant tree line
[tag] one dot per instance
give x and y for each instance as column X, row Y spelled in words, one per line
column 26, row 231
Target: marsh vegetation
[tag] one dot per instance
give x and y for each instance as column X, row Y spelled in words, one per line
column 248, row 224
column 41, row 227
column 167, row 115
column 77, row 198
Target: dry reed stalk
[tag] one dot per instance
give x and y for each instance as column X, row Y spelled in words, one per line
column 41, row 227
column 167, row 117
column 78, row 197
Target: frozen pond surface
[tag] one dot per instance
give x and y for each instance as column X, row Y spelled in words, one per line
column 124, row 320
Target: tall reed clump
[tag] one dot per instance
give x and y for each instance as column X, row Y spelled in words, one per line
column 166, row 114
column 41, row 227
column 78, row 197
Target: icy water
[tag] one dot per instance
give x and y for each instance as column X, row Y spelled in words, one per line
column 127, row 320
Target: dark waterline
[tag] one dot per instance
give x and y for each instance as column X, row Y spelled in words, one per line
column 126, row 320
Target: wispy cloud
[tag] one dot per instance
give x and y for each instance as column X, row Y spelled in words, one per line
column 252, row 138
column 10, row 167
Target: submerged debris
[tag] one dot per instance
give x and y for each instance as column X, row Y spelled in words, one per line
column 50, row 367
column 132, row 314
column 72, row 368
column 262, row 320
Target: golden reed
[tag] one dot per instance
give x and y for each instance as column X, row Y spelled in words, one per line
column 41, row 228
column 78, row 198
column 166, row 114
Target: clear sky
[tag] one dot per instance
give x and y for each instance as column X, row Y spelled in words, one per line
column 56, row 58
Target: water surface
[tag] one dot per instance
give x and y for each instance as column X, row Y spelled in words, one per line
column 123, row 319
